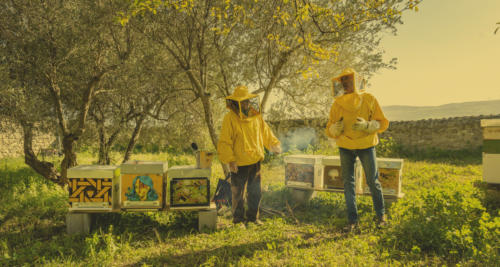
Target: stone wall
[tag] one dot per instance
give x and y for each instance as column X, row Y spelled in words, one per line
column 451, row 133
column 12, row 140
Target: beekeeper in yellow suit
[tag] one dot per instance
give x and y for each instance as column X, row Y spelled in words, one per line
column 355, row 119
column 243, row 136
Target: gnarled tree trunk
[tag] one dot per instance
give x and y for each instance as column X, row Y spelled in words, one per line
column 46, row 169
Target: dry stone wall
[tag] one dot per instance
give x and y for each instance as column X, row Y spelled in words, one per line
column 448, row 133
column 12, row 141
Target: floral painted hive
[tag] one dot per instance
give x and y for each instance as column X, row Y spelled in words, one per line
column 303, row 170
column 390, row 174
column 189, row 186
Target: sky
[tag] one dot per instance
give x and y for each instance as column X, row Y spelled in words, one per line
column 447, row 53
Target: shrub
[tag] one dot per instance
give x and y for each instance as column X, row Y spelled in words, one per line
column 448, row 220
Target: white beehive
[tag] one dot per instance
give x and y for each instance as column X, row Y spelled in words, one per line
column 390, row 176
column 92, row 187
column 332, row 174
column 491, row 151
column 142, row 184
column 304, row 171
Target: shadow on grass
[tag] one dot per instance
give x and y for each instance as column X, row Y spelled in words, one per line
column 231, row 255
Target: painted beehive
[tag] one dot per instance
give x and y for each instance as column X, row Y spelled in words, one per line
column 390, row 173
column 91, row 187
column 141, row 184
column 332, row 174
column 491, row 151
column 189, row 186
column 304, row 171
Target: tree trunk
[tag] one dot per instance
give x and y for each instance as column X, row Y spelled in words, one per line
column 209, row 119
column 103, row 149
column 46, row 169
column 135, row 137
column 69, row 160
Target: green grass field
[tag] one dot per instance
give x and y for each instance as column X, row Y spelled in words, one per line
column 442, row 221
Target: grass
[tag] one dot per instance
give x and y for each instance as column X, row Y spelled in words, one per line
column 440, row 206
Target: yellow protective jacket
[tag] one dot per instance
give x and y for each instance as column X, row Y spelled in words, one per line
column 243, row 138
column 350, row 106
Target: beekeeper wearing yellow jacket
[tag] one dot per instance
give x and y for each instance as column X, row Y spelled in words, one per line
column 355, row 119
column 243, row 136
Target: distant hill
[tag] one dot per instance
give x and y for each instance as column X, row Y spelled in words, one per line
column 409, row 113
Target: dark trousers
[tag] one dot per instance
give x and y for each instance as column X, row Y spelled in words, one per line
column 249, row 177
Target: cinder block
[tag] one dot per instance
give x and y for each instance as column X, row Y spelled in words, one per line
column 207, row 218
column 78, row 223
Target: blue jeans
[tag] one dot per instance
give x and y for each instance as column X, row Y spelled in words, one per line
column 369, row 162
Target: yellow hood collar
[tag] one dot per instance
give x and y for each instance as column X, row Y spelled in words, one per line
column 352, row 101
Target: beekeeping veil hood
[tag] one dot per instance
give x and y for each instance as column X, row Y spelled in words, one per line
column 245, row 105
column 338, row 89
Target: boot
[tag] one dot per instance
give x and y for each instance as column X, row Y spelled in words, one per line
column 382, row 223
column 351, row 226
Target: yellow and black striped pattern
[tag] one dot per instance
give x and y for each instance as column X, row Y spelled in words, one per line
column 90, row 190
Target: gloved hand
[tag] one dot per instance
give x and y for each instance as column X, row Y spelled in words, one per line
column 367, row 126
column 276, row 149
column 233, row 167
column 360, row 124
column 336, row 128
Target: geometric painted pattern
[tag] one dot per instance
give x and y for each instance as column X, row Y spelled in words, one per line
column 90, row 190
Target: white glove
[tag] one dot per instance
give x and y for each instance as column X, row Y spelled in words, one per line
column 360, row 124
column 367, row 126
column 373, row 126
column 276, row 149
column 336, row 128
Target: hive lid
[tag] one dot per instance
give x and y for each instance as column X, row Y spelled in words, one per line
column 138, row 167
column 335, row 161
column 94, row 171
column 490, row 123
column 188, row 172
column 304, row 159
column 390, row 163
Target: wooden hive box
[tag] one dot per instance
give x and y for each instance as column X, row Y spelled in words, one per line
column 141, row 184
column 189, row 187
column 332, row 175
column 92, row 187
column 491, row 151
column 304, row 171
column 390, row 176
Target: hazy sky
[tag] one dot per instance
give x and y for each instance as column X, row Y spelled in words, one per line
column 447, row 53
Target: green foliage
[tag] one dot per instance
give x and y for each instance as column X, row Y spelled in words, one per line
column 448, row 220
column 440, row 222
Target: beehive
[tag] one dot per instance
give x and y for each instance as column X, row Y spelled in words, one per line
column 304, row 171
column 189, row 186
column 141, row 184
column 491, row 151
column 92, row 187
column 332, row 174
column 390, row 175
